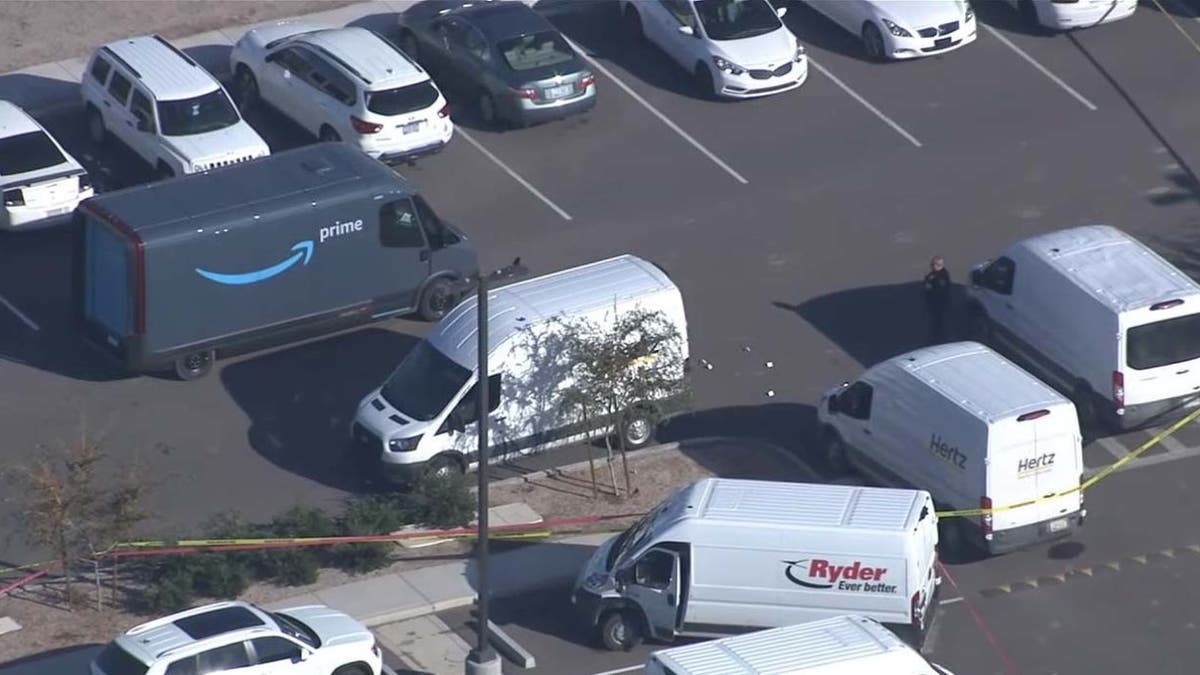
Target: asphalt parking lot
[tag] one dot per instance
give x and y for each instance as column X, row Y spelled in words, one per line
column 796, row 225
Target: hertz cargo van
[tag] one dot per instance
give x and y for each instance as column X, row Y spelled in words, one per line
column 168, row 275
column 725, row 556
column 975, row 430
column 841, row 645
column 424, row 419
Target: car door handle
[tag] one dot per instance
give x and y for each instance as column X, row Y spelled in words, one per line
column 424, row 256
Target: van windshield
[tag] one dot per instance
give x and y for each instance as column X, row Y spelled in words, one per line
column 424, row 383
column 632, row 539
column 1163, row 343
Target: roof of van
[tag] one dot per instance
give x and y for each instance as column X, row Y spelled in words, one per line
column 790, row 650
column 165, row 70
column 1116, row 269
column 979, row 380
column 244, row 190
column 780, row 505
column 377, row 62
column 565, row 293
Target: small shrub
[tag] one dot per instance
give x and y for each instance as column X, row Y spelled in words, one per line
column 221, row 575
column 170, row 591
column 296, row 566
column 440, row 501
column 375, row 514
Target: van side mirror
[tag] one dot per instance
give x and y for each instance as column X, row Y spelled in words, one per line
column 623, row 575
column 780, row 11
column 687, row 30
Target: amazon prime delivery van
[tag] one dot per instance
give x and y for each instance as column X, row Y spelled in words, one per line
column 975, row 430
column 168, row 275
column 423, row 418
column 840, row 645
column 725, row 556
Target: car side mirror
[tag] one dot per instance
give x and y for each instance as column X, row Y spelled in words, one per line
column 687, row 30
column 623, row 575
column 780, row 11
column 143, row 122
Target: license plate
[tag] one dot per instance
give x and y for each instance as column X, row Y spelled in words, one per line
column 411, row 127
column 944, row 42
column 1057, row 525
column 560, row 91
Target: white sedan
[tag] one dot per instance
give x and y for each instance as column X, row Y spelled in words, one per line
column 903, row 29
column 41, row 182
column 733, row 48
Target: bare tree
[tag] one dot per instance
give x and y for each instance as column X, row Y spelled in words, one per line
column 69, row 511
column 628, row 373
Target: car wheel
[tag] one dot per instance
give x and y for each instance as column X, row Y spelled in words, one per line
column 488, row 112
column 637, row 428
column 443, row 466
column 1029, row 14
column 437, row 299
column 835, row 453
column 353, row 669
column 96, row 130
column 620, row 632
column 704, row 82
column 633, row 23
column 328, row 135
column 409, row 45
column 195, row 365
column 873, row 42
column 246, row 86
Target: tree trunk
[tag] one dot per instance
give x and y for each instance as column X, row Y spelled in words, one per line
column 591, row 456
column 612, row 471
column 625, row 466
column 65, row 568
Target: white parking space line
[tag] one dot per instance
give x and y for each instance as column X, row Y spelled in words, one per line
column 655, row 111
column 1113, row 447
column 515, row 176
column 867, row 104
column 950, row 601
column 1172, row 444
column 630, row 669
column 1152, row 460
column 19, row 314
column 1043, row 69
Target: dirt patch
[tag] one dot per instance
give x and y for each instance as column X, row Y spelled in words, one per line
column 47, row 626
column 39, row 31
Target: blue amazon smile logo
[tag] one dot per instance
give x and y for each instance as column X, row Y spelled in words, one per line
column 303, row 252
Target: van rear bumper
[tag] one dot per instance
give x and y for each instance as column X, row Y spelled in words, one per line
column 1155, row 412
column 1004, row 541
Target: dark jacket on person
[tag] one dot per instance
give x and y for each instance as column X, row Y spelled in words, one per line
column 937, row 290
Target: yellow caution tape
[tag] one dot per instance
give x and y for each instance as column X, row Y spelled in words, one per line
column 1101, row 475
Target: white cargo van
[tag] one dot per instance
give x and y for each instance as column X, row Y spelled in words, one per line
column 841, row 645
column 1098, row 315
column 973, row 429
column 423, row 417
column 725, row 556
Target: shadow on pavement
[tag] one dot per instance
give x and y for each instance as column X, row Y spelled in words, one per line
column 65, row 660
column 33, row 91
column 814, row 30
column 300, row 401
column 214, row 58
column 1004, row 17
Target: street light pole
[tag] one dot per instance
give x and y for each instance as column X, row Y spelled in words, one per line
column 483, row 660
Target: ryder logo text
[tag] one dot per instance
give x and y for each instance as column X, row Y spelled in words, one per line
column 821, row 574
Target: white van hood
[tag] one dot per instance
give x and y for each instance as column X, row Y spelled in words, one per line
column 595, row 577
column 385, row 421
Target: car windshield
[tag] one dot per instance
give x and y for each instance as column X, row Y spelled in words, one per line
column 296, row 629
column 538, row 50
column 736, row 19
column 1163, row 343
column 28, row 152
column 424, row 383
column 199, row 115
column 114, row 660
column 402, row 99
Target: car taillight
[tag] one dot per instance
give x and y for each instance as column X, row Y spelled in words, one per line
column 525, row 93
column 1118, row 388
column 85, row 181
column 364, row 127
column 14, row 197
column 444, row 112
column 985, row 503
column 587, row 81
column 915, row 608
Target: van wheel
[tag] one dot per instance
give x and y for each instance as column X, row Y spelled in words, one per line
column 444, row 466
column 195, row 365
column 979, row 326
column 956, row 540
column 835, row 453
column 637, row 428
column 95, row 124
column 328, row 135
column 437, row 300
column 620, row 632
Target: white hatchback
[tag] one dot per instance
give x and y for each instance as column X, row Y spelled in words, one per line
column 732, row 48
column 903, row 29
column 343, row 84
column 42, row 183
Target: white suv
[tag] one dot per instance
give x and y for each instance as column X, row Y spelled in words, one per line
column 165, row 107
column 237, row 637
column 346, row 84
column 41, row 182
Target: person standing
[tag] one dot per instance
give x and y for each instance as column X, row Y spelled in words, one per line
column 937, row 298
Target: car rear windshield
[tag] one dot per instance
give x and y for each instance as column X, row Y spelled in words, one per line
column 28, row 152
column 114, row 660
column 424, row 383
column 1162, row 343
column 199, row 115
column 402, row 100
column 736, row 19
column 538, row 50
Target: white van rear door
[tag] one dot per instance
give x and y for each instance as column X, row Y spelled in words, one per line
column 1162, row 353
column 1044, row 461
